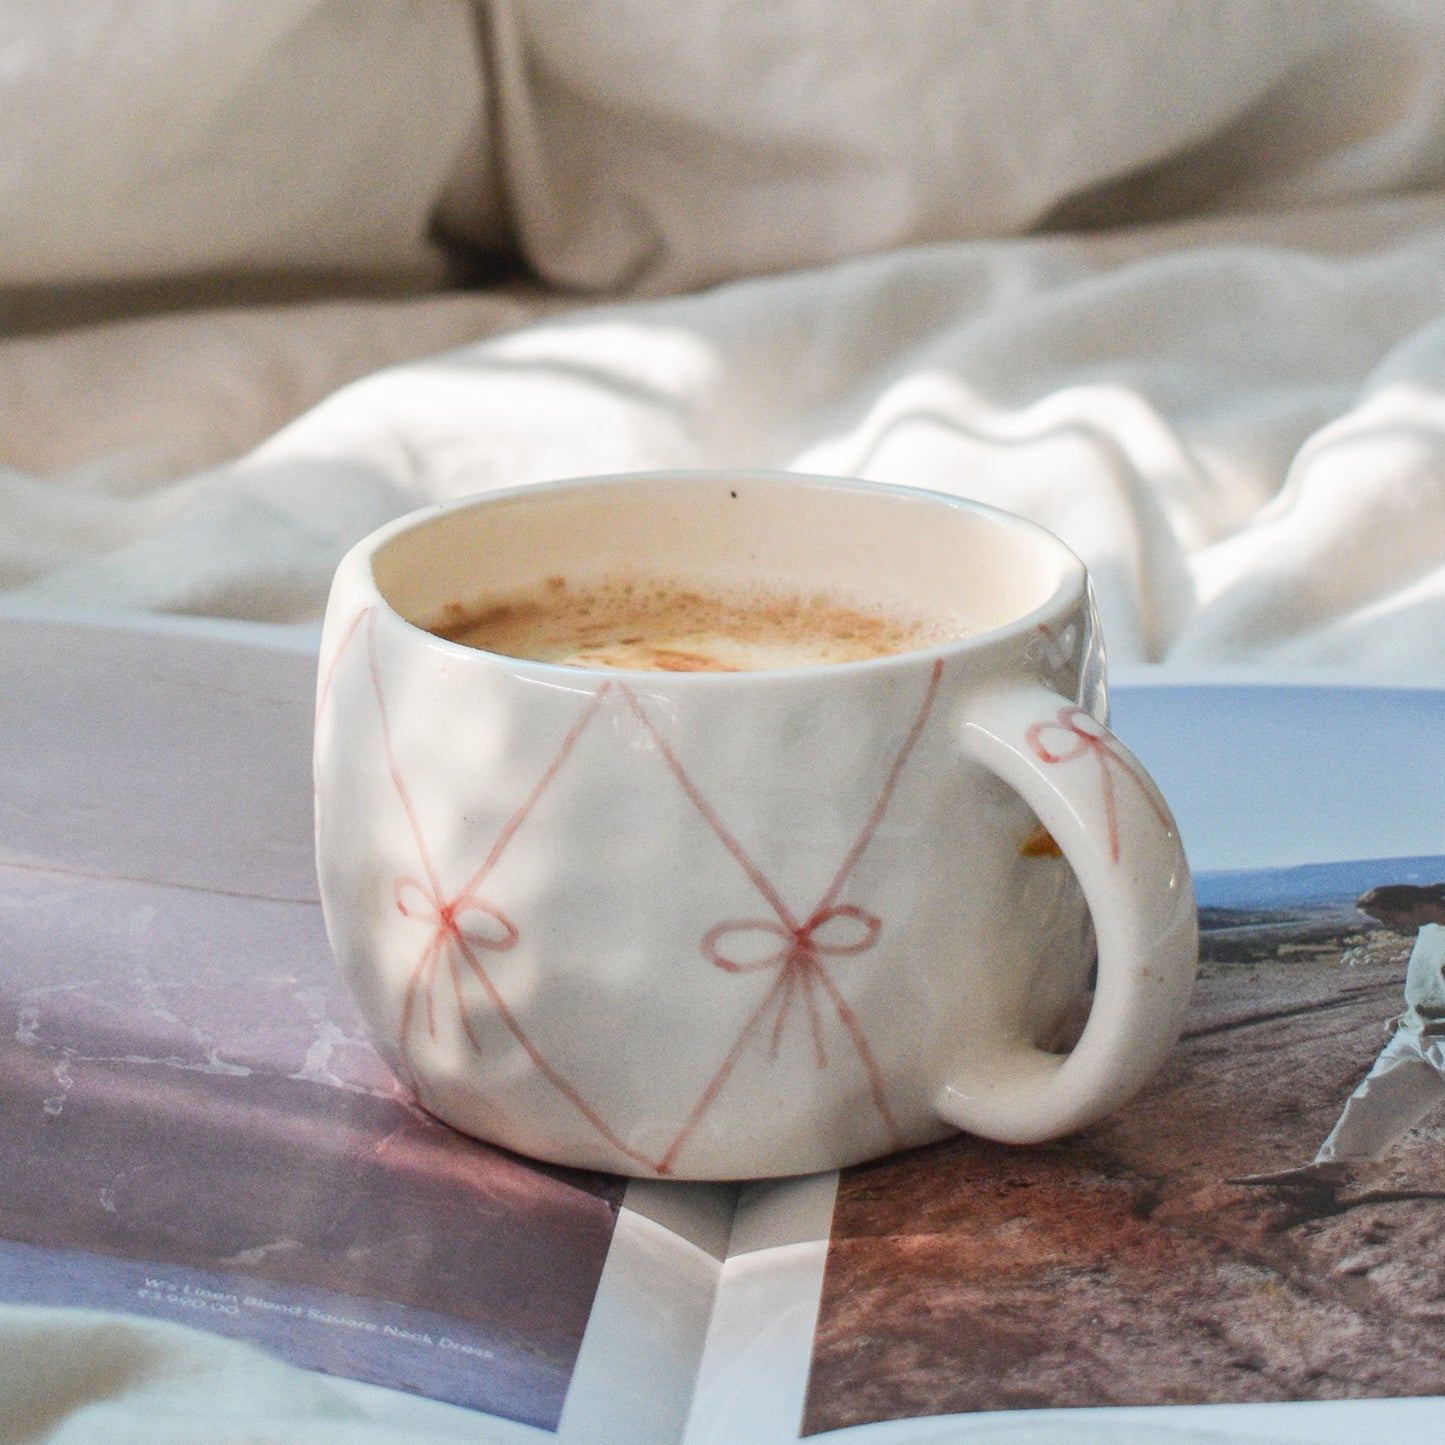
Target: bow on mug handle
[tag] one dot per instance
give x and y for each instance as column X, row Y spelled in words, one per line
column 1117, row 834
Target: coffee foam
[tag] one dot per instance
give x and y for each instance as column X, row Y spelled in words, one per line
column 666, row 625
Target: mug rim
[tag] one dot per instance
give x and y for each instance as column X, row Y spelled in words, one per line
column 1072, row 584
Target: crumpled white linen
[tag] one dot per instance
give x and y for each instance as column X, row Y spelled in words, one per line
column 1236, row 423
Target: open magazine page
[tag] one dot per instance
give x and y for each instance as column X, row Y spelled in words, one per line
column 1256, row 1237
column 197, row 1129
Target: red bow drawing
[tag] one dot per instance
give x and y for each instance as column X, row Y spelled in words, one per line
column 450, row 938
column 1084, row 735
column 464, row 926
column 799, row 958
column 462, row 945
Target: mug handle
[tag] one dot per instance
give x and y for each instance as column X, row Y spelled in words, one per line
column 1117, row 834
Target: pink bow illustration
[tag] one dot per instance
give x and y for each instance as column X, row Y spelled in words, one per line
column 799, row 961
column 424, row 902
column 1083, row 735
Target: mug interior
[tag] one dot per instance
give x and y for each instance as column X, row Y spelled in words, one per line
column 896, row 548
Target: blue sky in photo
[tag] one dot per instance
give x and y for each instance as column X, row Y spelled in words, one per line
column 1264, row 777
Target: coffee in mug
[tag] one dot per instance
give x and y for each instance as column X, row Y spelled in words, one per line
column 667, row 624
column 713, row 924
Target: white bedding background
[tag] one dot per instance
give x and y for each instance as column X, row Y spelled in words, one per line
column 1226, row 399
column 1168, row 277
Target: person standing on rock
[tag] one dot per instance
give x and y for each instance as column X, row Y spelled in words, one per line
column 1407, row 1081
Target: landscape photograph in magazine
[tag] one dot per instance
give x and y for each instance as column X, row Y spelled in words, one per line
column 1191, row 1249
column 238, row 1158
column 197, row 1127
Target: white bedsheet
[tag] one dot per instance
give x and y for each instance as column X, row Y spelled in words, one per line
column 1236, row 422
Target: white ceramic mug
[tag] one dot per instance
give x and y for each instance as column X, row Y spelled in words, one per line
column 728, row 925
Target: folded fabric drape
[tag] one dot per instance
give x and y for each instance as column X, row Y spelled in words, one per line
column 1237, row 424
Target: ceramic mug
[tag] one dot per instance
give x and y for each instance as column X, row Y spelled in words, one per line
column 730, row 925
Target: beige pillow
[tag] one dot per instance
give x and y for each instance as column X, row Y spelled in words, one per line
column 658, row 147
column 157, row 139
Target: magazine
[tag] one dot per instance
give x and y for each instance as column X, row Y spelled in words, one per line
column 196, row 1128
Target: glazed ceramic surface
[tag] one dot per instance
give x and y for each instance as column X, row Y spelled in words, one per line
column 725, row 925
